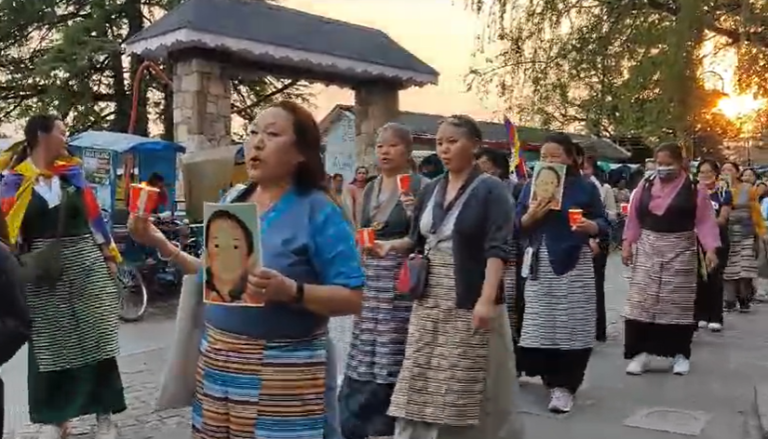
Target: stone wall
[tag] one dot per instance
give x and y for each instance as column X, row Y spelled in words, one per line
column 202, row 109
column 375, row 105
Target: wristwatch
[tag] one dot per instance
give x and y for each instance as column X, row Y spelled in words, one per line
column 299, row 293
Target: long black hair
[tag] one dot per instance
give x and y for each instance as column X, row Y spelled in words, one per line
column 571, row 149
column 237, row 292
column 36, row 125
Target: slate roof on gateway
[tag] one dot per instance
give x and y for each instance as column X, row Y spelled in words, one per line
column 265, row 23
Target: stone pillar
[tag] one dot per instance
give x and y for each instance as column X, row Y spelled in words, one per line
column 202, row 112
column 375, row 105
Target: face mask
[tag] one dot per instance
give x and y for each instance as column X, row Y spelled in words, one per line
column 666, row 172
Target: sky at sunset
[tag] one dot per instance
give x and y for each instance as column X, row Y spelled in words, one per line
column 440, row 32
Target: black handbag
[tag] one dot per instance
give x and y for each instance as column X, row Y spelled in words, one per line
column 43, row 266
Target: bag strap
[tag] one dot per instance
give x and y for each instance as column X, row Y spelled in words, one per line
column 63, row 214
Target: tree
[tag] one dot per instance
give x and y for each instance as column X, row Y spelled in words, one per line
column 65, row 56
column 619, row 67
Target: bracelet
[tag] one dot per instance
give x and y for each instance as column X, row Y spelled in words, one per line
column 173, row 256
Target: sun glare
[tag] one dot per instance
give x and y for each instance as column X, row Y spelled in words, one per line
column 734, row 107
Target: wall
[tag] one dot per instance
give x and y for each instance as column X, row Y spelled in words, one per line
column 340, row 147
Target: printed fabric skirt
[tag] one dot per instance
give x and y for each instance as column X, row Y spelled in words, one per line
column 742, row 259
column 73, row 372
column 559, row 323
column 456, row 381
column 376, row 352
column 662, row 291
column 510, row 281
column 255, row 389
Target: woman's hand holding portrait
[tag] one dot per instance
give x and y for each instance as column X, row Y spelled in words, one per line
column 265, row 284
column 538, row 209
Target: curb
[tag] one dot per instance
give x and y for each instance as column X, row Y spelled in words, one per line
column 761, row 408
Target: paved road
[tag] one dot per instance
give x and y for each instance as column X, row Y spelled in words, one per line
column 724, row 369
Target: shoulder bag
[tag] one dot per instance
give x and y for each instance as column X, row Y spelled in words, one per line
column 43, row 266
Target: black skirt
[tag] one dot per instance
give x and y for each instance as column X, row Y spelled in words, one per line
column 658, row 339
column 363, row 409
column 557, row 367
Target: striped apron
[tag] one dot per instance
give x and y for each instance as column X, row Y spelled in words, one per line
column 256, row 389
column 662, row 287
column 75, row 323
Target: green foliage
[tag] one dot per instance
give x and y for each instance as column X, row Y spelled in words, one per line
column 65, row 57
column 617, row 67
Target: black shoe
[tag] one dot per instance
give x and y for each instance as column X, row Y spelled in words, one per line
column 745, row 307
column 729, row 307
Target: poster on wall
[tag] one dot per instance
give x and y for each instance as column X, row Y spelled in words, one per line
column 97, row 165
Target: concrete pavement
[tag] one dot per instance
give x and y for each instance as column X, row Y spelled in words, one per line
column 725, row 368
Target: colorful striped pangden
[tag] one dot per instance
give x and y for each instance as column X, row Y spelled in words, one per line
column 256, row 389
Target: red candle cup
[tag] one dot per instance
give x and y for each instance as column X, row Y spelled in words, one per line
column 574, row 216
column 625, row 209
column 366, row 237
column 404, row 183
column 143, row 199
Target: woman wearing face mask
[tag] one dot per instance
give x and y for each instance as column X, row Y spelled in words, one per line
column 458, row 376
column 379, row 332
column 745, row 225
column 709, row 288
column 665, row 217
column 74, row 345
column 560, row 301
column 275, row 370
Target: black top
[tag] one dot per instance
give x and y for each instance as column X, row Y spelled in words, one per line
column 483, row 230
column 680, row 215
column 15, row 323
column 397, row 224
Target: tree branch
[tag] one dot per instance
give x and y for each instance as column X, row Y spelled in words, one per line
column 282, row 89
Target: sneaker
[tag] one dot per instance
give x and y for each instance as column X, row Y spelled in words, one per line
column 715, row 327
column 105, row 427
column 53, row 432
column 745, row 307
column 681, row 365
column 560, row 401
column 638, row 365
column 729, row 306
column 702, row 325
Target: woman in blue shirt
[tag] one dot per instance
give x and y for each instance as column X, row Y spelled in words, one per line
column 560, row 299
column 262, row 369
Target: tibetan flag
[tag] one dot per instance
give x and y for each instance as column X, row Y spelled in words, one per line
column 515, row 160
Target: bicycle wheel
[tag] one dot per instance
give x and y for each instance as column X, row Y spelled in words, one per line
column 132, row 293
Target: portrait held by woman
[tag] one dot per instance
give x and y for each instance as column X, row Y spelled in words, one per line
column 273, row 382
column 379, row 332
column 745, row 227
column 708, row 307
column 230, row 248
column 47, row 201
column 560, row 303
column 462, row 224
column 666, row 216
